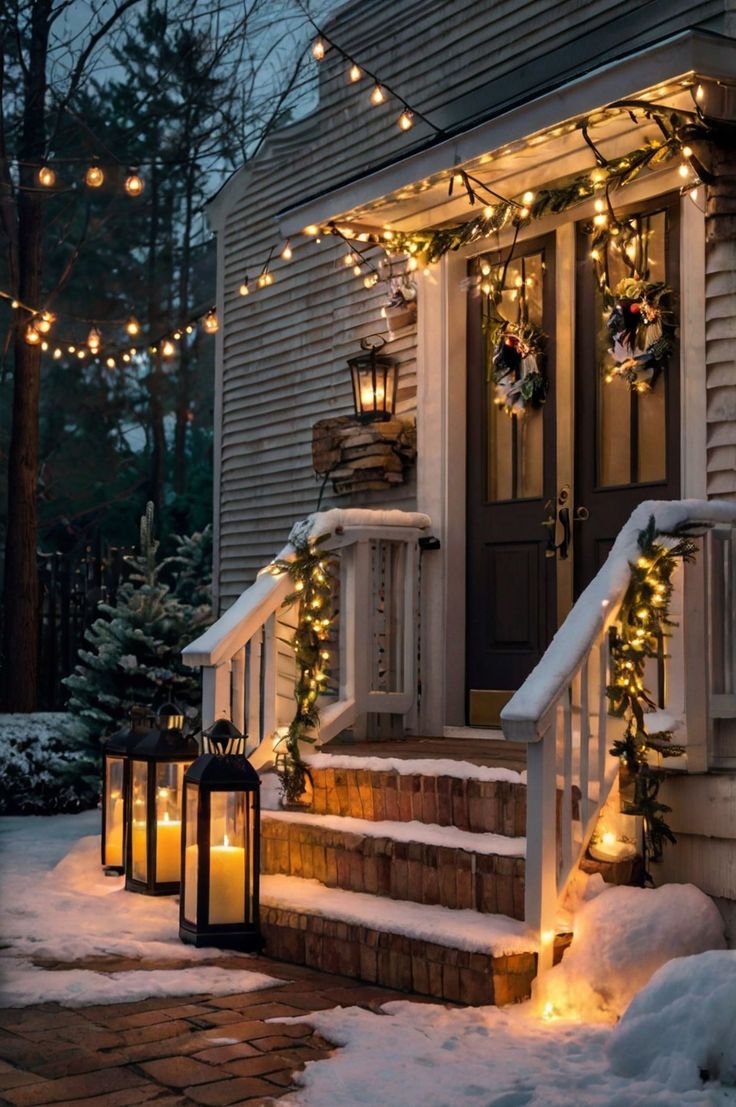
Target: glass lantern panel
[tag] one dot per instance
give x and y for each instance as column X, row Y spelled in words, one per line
column 139, row 828
column 372, row 390
column 191, row 863
column 228, row 857
column 114, row 775
column 169, row 786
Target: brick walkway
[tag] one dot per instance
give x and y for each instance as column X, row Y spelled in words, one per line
column 171, row 1051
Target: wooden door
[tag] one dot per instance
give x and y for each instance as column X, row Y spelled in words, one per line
column 627, row 444
column 511, row 491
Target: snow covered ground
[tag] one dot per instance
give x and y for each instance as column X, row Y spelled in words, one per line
column 56, row 904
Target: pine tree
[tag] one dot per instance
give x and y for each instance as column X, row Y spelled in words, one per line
column 135, row 644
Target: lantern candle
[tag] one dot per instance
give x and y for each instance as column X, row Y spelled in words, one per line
column 114, row 852
column 168, row 847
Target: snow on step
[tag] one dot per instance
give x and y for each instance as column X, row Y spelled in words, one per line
column 496, row 935
column 417, row 766
column 429, row 834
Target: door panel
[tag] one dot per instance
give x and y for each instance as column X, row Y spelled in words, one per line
column 627, row 444
column 511, row 475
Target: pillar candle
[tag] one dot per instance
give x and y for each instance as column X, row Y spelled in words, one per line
column 227, row 884
column 138, row 849
column 168, row 846
column 190, row 884
column 114, row 831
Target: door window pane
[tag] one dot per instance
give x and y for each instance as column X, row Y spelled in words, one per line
column 631, row 431
column 515, row 442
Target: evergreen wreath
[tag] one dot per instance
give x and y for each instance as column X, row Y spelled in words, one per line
column 640, row 332
column 517, row 366
column 313, row 580
column 643, row 621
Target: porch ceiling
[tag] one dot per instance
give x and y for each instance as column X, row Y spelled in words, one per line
column 534, row 143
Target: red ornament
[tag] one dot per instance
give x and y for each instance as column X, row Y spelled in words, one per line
column 635, row 308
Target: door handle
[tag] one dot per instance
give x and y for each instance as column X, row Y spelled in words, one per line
column 581, row 514
column 564, row 517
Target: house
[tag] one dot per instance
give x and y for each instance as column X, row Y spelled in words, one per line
column 517, row 163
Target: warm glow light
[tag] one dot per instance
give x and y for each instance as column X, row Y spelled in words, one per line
column 687, row 151
column 371, row 399
column 488, row 211
column 600, row 219
column 168, row 349
column 548, row 1012
column 600, row 205
column 110, row 363
column 378, row 96
column 44, row 321
column 699, row 93
column 318, row 49
column 528, row 197
column 609, row 838
column 132, row 326
column 684, row 169
column 370, row 280
column 548, row 936
column 210, row 322
column 93, row 340
column 406, row 120
column 44, row 346
column 134, row 184
column 57, row 352
column 287, row 253
column 354, row 73
column 32, row 336
column 46, row 176
column 311, row 229
column 94, row 176
column 485, row 268
column 244, row 290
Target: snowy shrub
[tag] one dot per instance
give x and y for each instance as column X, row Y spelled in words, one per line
column 681, row 1029
column 620, row 938
column 39, row 774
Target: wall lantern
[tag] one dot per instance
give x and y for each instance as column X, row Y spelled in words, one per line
column 219, row 896
column 374, row 378
column 157, row 767
column 116, row 783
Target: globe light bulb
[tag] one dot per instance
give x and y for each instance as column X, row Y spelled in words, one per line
column 132, row 326
column 244, row 289
column 378, row 96
column 318, row 49
column 94, row 176
column 287, row 253
column 46, row 176
column 168, row 349
column 406, row 120
column 93, row 340
column 210, row 322
column 354, row 73
column 134, row 184
column 31, row 335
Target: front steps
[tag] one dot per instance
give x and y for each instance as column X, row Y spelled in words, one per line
column 407, row 874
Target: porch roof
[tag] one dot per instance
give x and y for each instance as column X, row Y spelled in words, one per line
column 411, row 191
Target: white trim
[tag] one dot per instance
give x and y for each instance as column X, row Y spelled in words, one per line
column 218, row 415
column 483, row 734
column 693, row 391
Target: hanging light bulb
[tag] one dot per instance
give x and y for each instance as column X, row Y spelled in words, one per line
column 168, row 349
column 189, row 328
column 110, row 363
column 126, row 357
column 210, row 322
column 132, row 326
column 134, row 183
column 287, row 252
column 378, row 96
column 94, row 177
column 44, row 321
column 318, row 49
column 244, row 289
column 370, row 280
column 406, row 120
column 93, row 340
column 528, row 197
column 46, row 176
column 57, row 352
column 684, row 169
column 81, row 354
column 31, row 335
column 354, row 73
column 349, row 259
column 44, row 346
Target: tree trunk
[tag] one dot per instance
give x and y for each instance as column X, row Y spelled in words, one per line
column 21, row 596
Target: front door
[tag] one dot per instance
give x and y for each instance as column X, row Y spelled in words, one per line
column 512, row 513
column 520, row 521
column 627, row 446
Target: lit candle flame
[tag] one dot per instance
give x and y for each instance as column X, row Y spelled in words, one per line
column 226, row 840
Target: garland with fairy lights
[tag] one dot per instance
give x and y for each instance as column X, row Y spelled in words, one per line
column 642, row 623
column 516, row 363
column 311, row 573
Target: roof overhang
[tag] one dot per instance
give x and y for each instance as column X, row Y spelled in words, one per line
column 410, row 186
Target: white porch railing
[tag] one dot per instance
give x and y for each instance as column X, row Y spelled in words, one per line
column 561, row 710
column 248, row 665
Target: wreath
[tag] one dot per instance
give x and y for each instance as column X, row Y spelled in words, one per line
column 517, row 367
column 640, row 333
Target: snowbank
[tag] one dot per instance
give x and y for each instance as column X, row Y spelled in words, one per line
column 40, row 773
column 409, row 766
column 682, row 1026
column 621, row 937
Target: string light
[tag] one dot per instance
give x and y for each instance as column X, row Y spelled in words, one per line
column 132, row 326
column 287, row 253
column 244, row 289
column 318, row 49
column 46, row 176
column 377, row 96
column 406, row 120
column 93, row 340
column 354, row 73
column 210, row 322
column 134, row 183
column 110, row 362
column 168, row 349
column 94, row 177
column 31, row 335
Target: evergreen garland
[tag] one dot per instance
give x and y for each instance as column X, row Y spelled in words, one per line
column 642, row 623
column 311, row 573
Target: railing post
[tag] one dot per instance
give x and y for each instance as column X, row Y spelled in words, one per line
column 215, row 693
column 540, row 904
column 356, row 630
column 237, row 689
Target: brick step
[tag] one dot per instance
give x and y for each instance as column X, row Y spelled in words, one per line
column 448, row 793
column 462, row 956
column 420, row 862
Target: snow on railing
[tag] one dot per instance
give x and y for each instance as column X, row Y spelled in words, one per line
column 561, row 709
column 248, row 666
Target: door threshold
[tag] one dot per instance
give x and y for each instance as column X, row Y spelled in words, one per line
column 482, row 733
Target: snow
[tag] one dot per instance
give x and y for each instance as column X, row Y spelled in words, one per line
column 435, row 766
column 37, row 724
column 56, row 904
column 459, row 929
column 547, row 681
column 620, row 938
column 421, row 1055
column 337, row 519
column 681, row 1024
column 429, row 833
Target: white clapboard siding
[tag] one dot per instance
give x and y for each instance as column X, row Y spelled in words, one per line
column 284, row 348
column 720, row 340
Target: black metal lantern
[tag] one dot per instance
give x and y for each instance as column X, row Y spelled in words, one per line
column 157, row 766
column 220, row 849
column 115, row 785
column 374, row 378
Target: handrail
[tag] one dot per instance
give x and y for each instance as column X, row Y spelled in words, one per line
column 247, row 665
column 561, row 711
